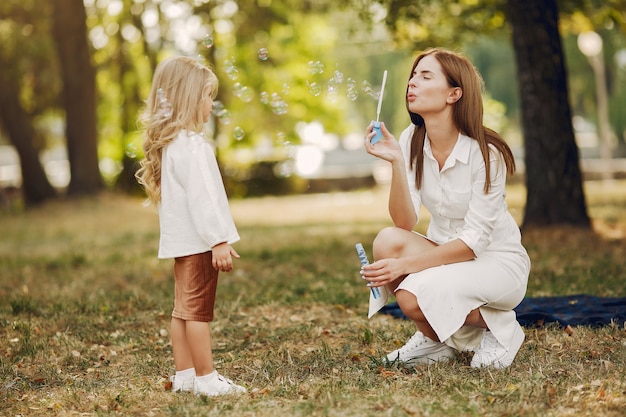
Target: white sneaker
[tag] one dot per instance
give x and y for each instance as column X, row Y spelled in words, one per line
column 492, row 353
column 218, row 385
column 421, row 350
column 180, row 386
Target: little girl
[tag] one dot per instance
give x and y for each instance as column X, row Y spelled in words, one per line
column 181, row 177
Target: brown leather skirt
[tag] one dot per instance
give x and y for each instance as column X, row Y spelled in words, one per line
column 196, row 285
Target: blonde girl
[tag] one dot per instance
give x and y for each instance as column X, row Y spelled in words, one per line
column 181, row 178
column 461, row 282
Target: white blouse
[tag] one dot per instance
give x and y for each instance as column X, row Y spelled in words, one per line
column 455, row 198
column 194, row 214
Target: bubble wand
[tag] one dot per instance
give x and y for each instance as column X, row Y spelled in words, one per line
column 378, row 136
column 364, row 261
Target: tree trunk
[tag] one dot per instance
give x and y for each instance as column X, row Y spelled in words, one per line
column 553, row 178
column 35, row 185
column 79, row 96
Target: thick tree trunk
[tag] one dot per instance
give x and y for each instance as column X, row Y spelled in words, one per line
column 35, row 185
column 79, row 96
column 553, row 177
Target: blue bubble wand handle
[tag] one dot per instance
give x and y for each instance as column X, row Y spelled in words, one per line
column 379, row 135
column 360, row 251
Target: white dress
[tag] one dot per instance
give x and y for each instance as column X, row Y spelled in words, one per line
column 194, row 214
column 495, row 281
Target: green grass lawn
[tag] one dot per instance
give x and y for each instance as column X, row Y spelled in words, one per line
column 86, row 304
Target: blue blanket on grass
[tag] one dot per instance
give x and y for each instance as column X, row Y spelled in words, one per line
column 572, row 310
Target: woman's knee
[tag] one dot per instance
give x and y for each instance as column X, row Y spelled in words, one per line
column 387, row 243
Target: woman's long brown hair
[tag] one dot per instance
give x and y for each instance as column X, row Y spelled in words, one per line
column 467, row 114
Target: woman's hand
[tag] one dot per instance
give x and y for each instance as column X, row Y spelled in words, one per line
column 222, row 257
column 383, row 272
column 387, row 149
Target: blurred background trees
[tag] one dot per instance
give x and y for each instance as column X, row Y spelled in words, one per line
column 75, row 73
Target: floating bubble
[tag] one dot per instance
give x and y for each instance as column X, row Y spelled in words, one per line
column 225, row 117
column 314, row 88
column 338, row 76
column 231, row 70
column 331, row 90
column 351, row 83
column 264, row 97
column 221, row 113
column 238, row 133
column 284, row 169
column 131, row 150
column 285, row 90
column 367, row 89
column 278, row 105
column 165, row 107
column 352, row 94
column 316, row 67
column 281, row 137
column 243, row 92
column 207, row 41
column 263, row 54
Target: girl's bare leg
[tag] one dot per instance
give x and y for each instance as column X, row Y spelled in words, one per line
column 191, row 344
column 178, row 334
column 199, row 346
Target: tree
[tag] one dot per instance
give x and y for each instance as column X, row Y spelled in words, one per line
column 24, row 51
column 35, row 185
column 79, row 95
column 553, row 177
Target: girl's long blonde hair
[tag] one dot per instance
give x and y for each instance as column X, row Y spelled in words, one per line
column 179, row 87
column 467, row 114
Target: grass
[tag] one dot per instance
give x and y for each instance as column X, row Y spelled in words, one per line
column 86, row 304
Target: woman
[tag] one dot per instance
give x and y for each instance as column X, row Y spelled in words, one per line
column 461, row 282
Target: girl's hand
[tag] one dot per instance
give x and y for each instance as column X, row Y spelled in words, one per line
column 222, row 258
column 387, row 149
column 382, row 272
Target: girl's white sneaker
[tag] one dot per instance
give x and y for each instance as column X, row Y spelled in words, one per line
column 183, row 385
column 216, row 385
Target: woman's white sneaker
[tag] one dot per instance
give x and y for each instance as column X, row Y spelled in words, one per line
column 492, row 353
column 420, row 350
column 216, row 385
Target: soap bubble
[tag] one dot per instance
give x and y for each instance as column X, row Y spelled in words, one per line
column 314, row 88
column 278, row 105
column 238, row 133
column 243, row 92
column 367, row 89
column 286, row 89
column 352, row 93
column 131, row 150
column 221, row 113
column 264, row 97
column 263, row 54
column 316, row 67
column 231, row 70
column 338, row 76
column 284, row 169
column 331, row 90
column 207, row 41
column 165, row 107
